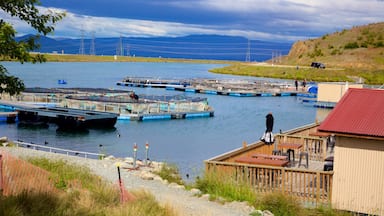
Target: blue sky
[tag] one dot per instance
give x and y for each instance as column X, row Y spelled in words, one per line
column 274, row 20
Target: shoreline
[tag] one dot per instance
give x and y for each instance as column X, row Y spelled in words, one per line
column 185, row 202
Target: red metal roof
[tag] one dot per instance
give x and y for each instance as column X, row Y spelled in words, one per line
column 359, row 112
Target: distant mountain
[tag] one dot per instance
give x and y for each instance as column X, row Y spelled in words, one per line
column 361, row 47
column 212, row 47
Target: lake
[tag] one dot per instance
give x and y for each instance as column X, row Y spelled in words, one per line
column 184, row 142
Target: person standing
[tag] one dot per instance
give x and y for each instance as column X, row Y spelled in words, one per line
column 269, row 122
column 268, row 137
column 296, row 84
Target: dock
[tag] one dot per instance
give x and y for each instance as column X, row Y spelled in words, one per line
column 148, row 82
column 9, row 117
column 236, row 88
column 67, row 118
column 119, row 102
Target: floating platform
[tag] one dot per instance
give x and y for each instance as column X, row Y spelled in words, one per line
column 232, row 93
column 147, row 82
column 9, row 117
column 66, row 118
column 120, row 102
column 236, row 88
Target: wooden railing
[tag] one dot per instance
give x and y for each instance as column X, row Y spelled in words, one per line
column 312, row 187
column 315, row 146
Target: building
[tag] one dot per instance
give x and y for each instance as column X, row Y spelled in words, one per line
column 358, row 124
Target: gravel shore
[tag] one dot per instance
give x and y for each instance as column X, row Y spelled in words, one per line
column 182, row 201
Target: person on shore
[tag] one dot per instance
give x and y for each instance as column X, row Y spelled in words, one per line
column 134, row 96
column 296, row 84
column 304, row 84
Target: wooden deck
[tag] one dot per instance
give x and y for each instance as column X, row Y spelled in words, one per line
column 310, row 184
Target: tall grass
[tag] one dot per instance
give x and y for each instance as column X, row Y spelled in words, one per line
column 81, row 193
column 220, row 185
column 171, row 173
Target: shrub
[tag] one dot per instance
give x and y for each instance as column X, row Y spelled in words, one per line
column 351, row 45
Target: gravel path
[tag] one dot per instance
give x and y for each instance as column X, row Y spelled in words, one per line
column 186, row 203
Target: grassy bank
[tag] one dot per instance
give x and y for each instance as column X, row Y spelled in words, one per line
column 79, row 193
column 95, row 58
column 372, row 77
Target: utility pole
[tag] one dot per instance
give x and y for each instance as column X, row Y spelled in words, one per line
column 248, row 54
column 92, row 48
column 81, row 49
column 120, row 48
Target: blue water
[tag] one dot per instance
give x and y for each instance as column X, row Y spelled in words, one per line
column 184, row 142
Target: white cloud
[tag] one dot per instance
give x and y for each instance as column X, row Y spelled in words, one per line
column 265, row 20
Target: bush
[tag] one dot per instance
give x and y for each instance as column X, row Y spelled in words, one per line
column 351, row 45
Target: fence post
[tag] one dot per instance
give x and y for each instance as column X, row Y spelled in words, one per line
column 1, row 174
column 318, row 188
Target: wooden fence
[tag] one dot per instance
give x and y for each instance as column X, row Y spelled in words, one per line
column 311, row 187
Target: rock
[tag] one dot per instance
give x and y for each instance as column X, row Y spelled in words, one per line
column 110, row 157
column 145, row 175
column 128, row 160
column 3, row 139
column 205, row 196
column 174, row 185
column 195, row 191
column 267, row 213
column 258, row 213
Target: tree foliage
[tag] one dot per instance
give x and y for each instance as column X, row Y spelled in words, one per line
column 10, row 49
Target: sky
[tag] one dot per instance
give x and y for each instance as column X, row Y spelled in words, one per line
column 271, row 20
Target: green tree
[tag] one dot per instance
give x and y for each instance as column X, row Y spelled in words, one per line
column 10, row 49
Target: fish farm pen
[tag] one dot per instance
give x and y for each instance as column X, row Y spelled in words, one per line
column 226, row 87
column 145, row 107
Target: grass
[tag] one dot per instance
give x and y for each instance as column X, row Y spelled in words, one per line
column 96, row 58
column 220, row 186
column 80, row 193
column 374, row 77
column 171, row 173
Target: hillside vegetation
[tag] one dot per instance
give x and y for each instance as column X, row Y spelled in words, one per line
column 361, row 47
column 354, row 55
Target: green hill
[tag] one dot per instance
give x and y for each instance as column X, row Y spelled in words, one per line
column 361, row 47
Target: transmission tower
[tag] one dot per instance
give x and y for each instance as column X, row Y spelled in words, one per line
column 248, row 55
column 81, row 49
column 92, row 48
column 128, row 50
column 120, row 48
